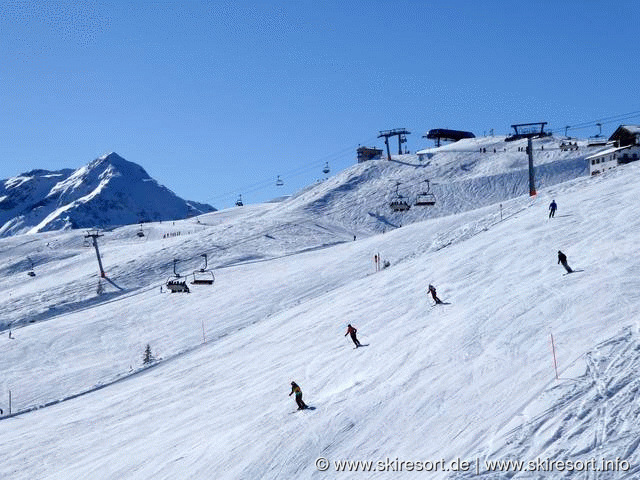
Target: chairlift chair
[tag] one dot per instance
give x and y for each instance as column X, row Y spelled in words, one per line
column 597, row 140
column 279, row 182
column 426, row 198
column 239, row 201
column 399, row 204
column 140, row 233
column 326, row 169
column 31, row 271
column 177, row 283
column 204, row 276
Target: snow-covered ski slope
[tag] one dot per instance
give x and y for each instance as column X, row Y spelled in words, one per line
column 471, row 380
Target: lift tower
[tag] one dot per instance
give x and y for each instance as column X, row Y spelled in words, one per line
column 401, row 133
column 94, row 235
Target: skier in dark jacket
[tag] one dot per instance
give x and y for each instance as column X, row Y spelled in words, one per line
column 432, row 291
column 552, row 208
column 296, row 389
column 562, row 258
column 352, row 330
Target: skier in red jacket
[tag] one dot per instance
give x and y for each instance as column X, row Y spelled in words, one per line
column 352, row 330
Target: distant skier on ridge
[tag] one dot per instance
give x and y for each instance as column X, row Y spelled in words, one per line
column 432, row 291
column 552, row 208
column 296, row 389
column 562, row 258
column 352, row 330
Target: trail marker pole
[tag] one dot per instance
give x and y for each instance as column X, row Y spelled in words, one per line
column 555, row 362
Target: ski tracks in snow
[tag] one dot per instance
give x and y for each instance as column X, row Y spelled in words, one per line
column 593, row 416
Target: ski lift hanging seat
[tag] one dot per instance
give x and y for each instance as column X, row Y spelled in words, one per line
column 204, row 276
column 177, row 285
column 326, row 169
column 597, row 140
column 425, row 199
column 399, row 205
column 239, row 201
column 31, row 271
column 279, row 182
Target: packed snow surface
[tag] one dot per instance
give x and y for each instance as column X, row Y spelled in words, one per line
column 473, row 379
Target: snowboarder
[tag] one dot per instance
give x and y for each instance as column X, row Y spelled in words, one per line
column 552, row 208
column 562, row 258
column 296, row 389
column 432, row 291
column 352, row 330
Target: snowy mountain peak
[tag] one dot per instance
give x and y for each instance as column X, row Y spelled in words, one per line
column 119, row 164
column 108, row 191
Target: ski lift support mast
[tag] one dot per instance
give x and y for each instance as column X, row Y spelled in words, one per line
column 94, row 235
column 400, row 133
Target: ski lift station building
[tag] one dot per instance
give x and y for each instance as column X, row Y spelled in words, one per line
column 623, row 147
column 368, row 153
column 442, row 134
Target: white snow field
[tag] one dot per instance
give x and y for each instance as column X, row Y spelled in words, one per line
column 472, row 380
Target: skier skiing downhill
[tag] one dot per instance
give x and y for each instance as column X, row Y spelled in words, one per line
column 296, row 389
column 352, row 330
column 432, row 291
column 552, row 208
column 562, row 258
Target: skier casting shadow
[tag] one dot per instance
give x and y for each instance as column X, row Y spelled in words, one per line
column 562, row 258
column 432, row 291
column 352, row 330
column 296, row 389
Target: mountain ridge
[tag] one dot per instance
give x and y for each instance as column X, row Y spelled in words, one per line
column 107, row 192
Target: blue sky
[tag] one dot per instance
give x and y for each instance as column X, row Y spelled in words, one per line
column 215, row 99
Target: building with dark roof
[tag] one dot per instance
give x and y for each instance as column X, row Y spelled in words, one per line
column 626, row 135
